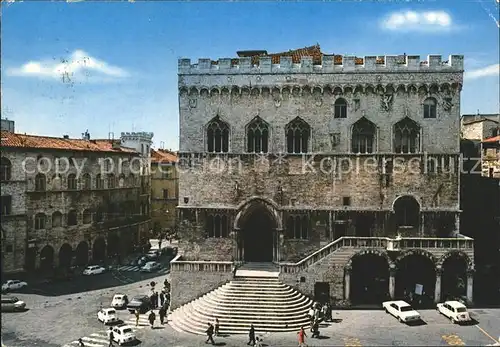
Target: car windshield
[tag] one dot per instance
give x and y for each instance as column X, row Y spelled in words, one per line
column 406, row 308
column 118, row 297
column 111, row 311
column 127, row 330
column 461, row 309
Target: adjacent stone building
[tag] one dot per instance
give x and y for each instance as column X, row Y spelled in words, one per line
column 164, row 191
column 70, row 201
column 483, row 132
column 341, row 170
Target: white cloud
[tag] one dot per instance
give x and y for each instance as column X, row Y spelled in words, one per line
column 417, row 21
column 79, row 66
column 491, row 70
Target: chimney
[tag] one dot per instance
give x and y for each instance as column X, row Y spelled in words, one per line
column 66, row 137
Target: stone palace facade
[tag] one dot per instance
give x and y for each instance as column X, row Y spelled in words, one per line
column 328, row 166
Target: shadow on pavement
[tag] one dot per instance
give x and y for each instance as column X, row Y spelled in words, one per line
column 469, row 323
column 323, row 337
column 416, row 323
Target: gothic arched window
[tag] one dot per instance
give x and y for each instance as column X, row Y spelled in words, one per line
column 217, row 136
column 363, row 136
column 406, row 136
column 430, row 106
column 257, row 136
column 298, row 133
column 407, row 211
column 340, row 108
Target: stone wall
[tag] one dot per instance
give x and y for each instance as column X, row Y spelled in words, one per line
column 187, row 286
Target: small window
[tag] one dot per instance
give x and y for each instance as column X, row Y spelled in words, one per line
column 346, row 201
column 6, row 207
column 9, row 249
column 72, row 218
column 40, row 220
column 5, row 170
column 111, row 181
column 40, row 183
column 340, row 109
column 430, row 108
column 87, row 181
column 71, row 182
column 165, row 194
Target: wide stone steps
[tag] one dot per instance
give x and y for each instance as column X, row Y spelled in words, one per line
column 265, row 302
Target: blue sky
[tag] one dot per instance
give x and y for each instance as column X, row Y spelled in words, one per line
column 129, row 53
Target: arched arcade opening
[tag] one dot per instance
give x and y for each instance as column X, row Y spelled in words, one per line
column 369, row 279
column 454, row 277
column 47, row 258
column 113, row 245
column 99, row 250
column 416, row 273
column 65, row 256
column 82, row 254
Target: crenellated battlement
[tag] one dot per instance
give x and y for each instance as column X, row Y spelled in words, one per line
column 327, row 64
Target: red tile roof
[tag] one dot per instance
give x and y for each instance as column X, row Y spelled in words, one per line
column 492, row 139
column 45, row 142
column 296, row 54
column 162, row 156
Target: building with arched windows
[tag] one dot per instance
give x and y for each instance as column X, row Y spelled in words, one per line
column 70, row 201
column 326, row 166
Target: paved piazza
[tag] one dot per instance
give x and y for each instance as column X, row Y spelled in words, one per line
column 60, row 320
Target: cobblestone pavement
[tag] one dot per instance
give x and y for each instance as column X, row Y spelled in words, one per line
column 54, row 321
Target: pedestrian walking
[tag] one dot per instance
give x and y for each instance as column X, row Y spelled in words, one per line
column 216, row 332
column 162, row 298
column 157, row 299
column 302, row 337
column 137, row 316
column 251, row 336
column 162, row 312
column 151, row 319
column 80, row 343
column 210, row 333
column 111, row 337
column 315, row 330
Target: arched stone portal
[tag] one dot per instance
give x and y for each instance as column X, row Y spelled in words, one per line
column 257, row 223
column 65, row 256
column 30, row 261
column 369, row 278
column 415, row 268
column 454, row 276
column 47, row 258
column 99, row 250
column 82, row 254
column 113, row 244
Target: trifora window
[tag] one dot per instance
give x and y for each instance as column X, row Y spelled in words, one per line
column 298, row 133
column 217, row 136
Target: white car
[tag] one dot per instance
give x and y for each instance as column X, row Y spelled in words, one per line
column 119, row 301
column 107, row 315
column 13, row 285
column 401, row 310
column 122, row 334
column 151, row 266
column 93, row 270
column 454, row 310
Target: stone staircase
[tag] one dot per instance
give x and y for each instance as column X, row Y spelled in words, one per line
column 256, row 296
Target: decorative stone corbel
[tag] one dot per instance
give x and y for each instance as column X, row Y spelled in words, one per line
column 319, row 101
column 277, row 100
column 192, row 103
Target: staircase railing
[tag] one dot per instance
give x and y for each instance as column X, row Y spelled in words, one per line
column 198, row 265
column 462, row 243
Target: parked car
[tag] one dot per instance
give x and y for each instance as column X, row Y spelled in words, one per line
column 141, row 303
column 93, row 270
column 119, row 301
column 401, row 310
column 454, row 310
column 122, row 333
column 151, row 266
column 107, row 315
column 152, row 255
column 12, row 304
column 11, row 285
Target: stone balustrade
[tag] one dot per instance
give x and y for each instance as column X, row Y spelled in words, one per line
column 200, row 266
column 397, row 244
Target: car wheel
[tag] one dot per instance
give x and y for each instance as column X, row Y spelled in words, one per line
column 452, row 320
column 400, row 320
column 386, row 310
